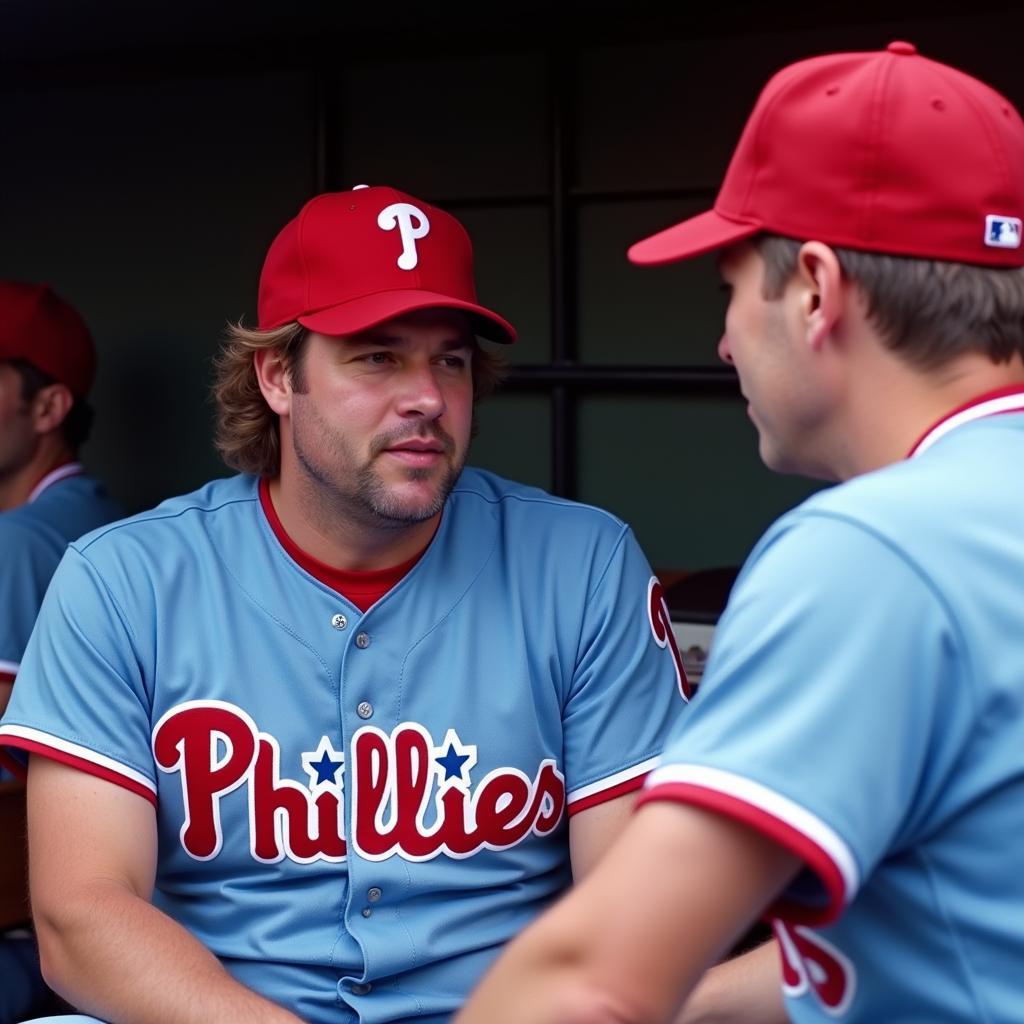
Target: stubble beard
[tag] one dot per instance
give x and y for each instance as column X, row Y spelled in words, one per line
column 378, row 500
column 365, row 497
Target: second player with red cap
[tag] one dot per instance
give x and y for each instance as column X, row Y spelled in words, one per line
column 853, row 766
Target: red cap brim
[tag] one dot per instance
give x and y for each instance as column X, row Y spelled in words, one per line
column 367, row 311
column 704, row 233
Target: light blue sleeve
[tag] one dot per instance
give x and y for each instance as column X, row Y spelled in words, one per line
column 830, row 705
column 80, row 696
column 626, row 691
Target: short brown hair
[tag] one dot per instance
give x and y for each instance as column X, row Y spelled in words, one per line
column 248, row 435
column 927, row 311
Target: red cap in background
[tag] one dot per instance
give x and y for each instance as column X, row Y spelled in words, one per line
column 40, row 327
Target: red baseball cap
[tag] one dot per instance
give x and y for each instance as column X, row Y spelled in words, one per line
column 885, row 151
column 40, row 327
column 351, row 260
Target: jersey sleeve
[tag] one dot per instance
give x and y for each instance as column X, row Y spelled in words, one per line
column 827, row 707
column 628, row 686
column 80, row 697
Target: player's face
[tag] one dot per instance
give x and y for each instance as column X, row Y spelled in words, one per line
column 17, row 438
column 383, row 424
column 764, row 341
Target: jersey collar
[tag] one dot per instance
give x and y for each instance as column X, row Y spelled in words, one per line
column 992, row 403
column 55, row 476
column 362, row 587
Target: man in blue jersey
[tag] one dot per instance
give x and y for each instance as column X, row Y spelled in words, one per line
column 47, row 362
column 315, row 741
column 853, row 766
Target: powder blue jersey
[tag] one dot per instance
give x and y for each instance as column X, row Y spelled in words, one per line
column 356, row 810
column 864, row 706
column 64, row 505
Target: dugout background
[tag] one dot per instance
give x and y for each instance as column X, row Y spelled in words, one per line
column 149, row 152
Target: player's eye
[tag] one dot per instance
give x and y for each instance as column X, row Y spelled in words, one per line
column 381, row 358
column 454, row 362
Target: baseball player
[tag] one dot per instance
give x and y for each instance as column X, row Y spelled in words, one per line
column 47, row 364
column 315, row 741
column 47, row 361
column 854, row 761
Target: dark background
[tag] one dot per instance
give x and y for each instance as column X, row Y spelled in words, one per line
column 150, row 152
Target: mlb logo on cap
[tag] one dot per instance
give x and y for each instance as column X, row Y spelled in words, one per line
column 1002, row 232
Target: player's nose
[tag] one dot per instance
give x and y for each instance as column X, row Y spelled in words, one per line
column 724, row 351
column 421, row 394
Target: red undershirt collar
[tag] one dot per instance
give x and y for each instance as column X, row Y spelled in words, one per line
column 363, row 589
column 992, row 403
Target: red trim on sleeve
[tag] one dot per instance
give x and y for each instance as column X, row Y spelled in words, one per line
column 629, row 786
column 34, row 747
column 7, row 677
column 760, row 820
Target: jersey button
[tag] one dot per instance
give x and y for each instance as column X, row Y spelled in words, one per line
column 365, row 709
column 361, row 988
column 339, row 621
column 367, row 912
column 362, row 641
column 374, row 894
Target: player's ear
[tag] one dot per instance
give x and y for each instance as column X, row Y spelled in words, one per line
column 50, row 407
column 274, row 380
column 821, row 295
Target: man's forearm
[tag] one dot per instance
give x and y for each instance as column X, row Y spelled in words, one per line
column 744, row 990
column 632, row 940
column 112, row 954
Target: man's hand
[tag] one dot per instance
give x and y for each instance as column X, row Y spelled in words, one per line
column 744, row 990
column 629, row 943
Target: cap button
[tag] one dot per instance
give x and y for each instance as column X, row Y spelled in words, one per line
column 907, row 49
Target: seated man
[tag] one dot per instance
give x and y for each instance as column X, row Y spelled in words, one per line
column 314, row 742
column 47, row 362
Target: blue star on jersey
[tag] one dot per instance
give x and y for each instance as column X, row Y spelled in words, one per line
column 458, row 759
column 322, row 766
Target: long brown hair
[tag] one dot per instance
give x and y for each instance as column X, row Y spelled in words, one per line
column 247, row 433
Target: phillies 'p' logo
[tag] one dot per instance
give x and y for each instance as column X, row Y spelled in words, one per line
column 661, row 627
column 809, row 963
column 412, row 223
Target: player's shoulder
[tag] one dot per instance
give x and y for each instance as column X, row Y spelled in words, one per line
column 74, row 506
column 23, row 531
column 915, row 508
column 960, row 476
column 175, row 520
column 515, row 501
